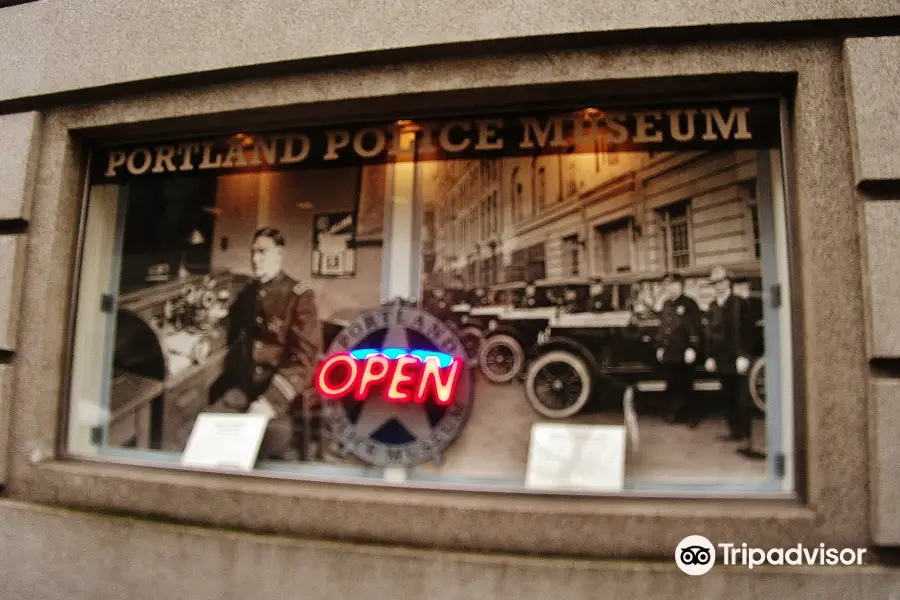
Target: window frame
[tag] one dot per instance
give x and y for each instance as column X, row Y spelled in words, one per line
column 668, row 234
column 751, row 204
column 39, row 476
column 755, row 229
column 600, row 231
column 541, row 191
column 536, row 255
column 572, row 249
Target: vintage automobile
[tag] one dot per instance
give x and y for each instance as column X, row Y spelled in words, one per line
column 479, row 309
column 438, row 300
column 578, row 351
column 511, row 335
column 448, row 304
column 758, row 383
column 639, row 293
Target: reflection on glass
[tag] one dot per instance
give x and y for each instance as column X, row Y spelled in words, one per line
column 571, row 279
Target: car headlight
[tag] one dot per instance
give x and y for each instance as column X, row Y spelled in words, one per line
column 492, row 325
column 541, row 337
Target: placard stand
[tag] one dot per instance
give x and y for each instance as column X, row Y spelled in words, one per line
column 395, row 474
column 576, row 457
column 225, row 441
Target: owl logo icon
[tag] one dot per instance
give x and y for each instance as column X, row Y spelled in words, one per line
column 695, row 555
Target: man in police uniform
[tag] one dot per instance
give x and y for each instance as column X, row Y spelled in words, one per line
column 677, row 342
column 275, row 341
column 572, row 302
column 597, row 297
column 530, row 299
column 436, row 301
column 728, row 352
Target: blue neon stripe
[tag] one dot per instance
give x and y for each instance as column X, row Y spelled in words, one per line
column 444, row 359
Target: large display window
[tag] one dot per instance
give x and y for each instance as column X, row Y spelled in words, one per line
column 575, row 300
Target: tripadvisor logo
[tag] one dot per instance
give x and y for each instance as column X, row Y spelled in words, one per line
column 696, row 555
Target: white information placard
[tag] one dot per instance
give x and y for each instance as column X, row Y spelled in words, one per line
column 225, row 441
column 583, row 457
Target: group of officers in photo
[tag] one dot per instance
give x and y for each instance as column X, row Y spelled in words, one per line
column 726, row 341
column 275, row 337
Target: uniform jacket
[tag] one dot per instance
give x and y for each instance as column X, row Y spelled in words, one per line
column 602, row 301
column 437, row 306
column 727, row 333
column 275, row 339
column 480, row 298
column 573, row 306
column 679, row 329
column 536, row 300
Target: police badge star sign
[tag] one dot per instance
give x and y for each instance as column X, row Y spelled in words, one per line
column 397, row 387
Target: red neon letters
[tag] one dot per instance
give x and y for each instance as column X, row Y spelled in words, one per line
column 406, row 378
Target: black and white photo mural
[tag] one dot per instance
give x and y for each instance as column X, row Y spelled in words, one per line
column 582, row 267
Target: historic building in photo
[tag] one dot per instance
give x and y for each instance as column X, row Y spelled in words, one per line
column 592, row 215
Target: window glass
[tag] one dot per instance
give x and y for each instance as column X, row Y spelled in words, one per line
column 567, row 301
column 571, row 247
column 613, row 247
column 678, row 234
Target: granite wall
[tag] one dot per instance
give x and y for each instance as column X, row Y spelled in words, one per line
column 111, row 69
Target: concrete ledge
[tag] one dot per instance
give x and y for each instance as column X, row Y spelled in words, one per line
column 884, row 466
column 92, row 556
column 18, row 161
column 12, row 250
column 149, row 39
column 872, row 80
column 879, row 222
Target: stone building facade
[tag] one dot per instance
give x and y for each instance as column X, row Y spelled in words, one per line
column 594, row 215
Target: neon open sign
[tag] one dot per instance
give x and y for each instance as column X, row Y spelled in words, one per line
column 404, row 375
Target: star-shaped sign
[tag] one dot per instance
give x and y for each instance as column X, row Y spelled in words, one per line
column 376, row 411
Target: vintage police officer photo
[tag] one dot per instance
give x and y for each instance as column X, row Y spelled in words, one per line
column 573, row 279
column 274, row 340
column 229, row 285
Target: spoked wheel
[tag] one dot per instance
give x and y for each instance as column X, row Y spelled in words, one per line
column 757, row 382
column 501, row 358
column 558, row 384
column 471, row 338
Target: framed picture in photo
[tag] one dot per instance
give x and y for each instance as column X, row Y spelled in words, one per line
column 334, row 237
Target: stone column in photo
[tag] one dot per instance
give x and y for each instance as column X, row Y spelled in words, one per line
column 402, row 241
